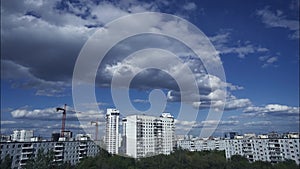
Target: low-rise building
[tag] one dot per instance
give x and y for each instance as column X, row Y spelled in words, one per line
column 201, row 144
column 271, row 148
column 64, row 151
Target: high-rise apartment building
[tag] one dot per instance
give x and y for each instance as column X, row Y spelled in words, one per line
column 112, row 138
column 148, row 135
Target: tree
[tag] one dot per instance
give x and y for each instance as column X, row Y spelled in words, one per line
column 6, row 163
column 180, row 159
column 42, row 161
column 288, row 164
column 238, row 162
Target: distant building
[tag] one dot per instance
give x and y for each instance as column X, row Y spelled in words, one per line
column 67, row 136
column 5, row 138
column 230, row 135
column 55, row 136
column 148, row 135
column 112, row 138
column 22, row 135
column 197, row 144
column 271, row 147
column 64, row 151
column 291, row 135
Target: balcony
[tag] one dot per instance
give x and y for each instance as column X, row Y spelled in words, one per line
column 82, row 153
column 58, row 150
column 23, row 164
column 58, row 155
column 27, row 147
column 58, row 145
column 26, row 152
column 83, row 145
column 58, row 160
column 24, row 158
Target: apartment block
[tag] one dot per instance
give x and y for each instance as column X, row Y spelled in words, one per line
column 148, row 135
column 197, row 144
column 22, row 135
column 264, row 148
column 64, row 151
column 112, row 137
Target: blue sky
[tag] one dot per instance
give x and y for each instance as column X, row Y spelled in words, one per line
column 257, row 42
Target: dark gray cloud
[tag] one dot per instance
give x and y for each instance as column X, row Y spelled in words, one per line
column 41, row 41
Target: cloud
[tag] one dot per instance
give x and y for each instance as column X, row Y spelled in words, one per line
column 190, row 6
column 258, row 123
column 273, row 109
column 184, row 123
column 51, row 114
column 234, row 87
column 4, row 122
column 41, row 40
column 294, row 5
column 209, row 123
column 278, row 19
column 268, row 60
column 223, row 43
column 231, row 103
column 209, row 85
column 190, row 126
column 23, row 78
column 234, row 103
column 140, row 101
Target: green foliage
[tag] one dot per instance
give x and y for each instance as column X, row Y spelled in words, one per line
column 45, row 161
column 41, row 161
column 180, row 159
column 6, row 162
column 288, row 164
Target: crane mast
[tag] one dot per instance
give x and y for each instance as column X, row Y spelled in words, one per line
column 63, row 121
column 96, row 132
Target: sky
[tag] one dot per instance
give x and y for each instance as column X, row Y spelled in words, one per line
column 257, row 44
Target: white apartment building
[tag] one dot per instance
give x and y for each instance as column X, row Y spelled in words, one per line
column 197, row 144
column 64, row 151
column 22, row 135
column 112, row 138
column 148, row 135
column 264, row 148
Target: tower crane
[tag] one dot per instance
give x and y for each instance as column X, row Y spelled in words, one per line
column 63, row 121
column 96, row 132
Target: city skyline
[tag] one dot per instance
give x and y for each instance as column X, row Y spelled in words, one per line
column 257, row 42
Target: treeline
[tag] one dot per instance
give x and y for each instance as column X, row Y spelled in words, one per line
column 180, row 159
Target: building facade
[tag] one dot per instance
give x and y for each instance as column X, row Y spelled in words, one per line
column 112, row 138
column 22, row 135
column 64, row 151
column 264, row 148
column 148, row 135
column 270, row 147
column 203, row 144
